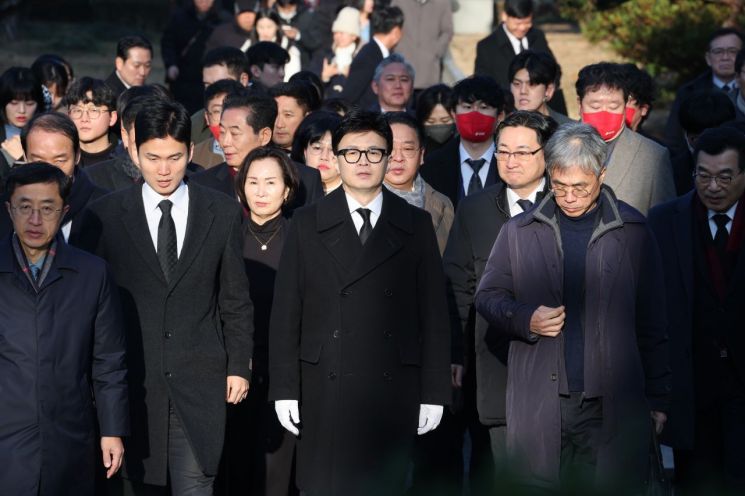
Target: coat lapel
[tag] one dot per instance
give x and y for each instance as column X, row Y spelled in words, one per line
column 624, row 152
column 337, row 230
column 682, row 230
column 198, row 224
column 135, row 223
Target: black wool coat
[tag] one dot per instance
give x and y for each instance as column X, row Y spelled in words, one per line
column 359, row 335
column 183, row 337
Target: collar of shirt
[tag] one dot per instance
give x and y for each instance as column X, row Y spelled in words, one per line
column 719, row 83
column 382, row 47
column 122, row 80
column 514, row 41
column 512, row 198
column 713, row 225
column 466, row 170
column 179, row 212
column 375, row 206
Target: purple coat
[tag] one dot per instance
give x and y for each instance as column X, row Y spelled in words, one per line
column 626, row 356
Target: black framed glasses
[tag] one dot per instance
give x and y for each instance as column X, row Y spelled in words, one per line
column 704, row 178
column 407, row 151
column 47, row 212
column 731, row 51
column 520, row 156
column 352, row 155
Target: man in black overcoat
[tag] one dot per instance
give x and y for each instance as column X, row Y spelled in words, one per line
column 703, row 257
column 359, row 345
column 176, row 253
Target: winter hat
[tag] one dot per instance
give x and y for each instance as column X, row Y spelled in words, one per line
column 347, row 21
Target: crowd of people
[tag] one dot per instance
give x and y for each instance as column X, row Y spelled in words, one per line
column 303, row 265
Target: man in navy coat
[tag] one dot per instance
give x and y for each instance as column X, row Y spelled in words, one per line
column 61, row 346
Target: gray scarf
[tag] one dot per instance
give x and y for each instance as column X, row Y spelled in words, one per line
column 415, row 196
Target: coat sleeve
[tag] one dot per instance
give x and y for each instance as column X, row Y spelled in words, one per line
column 446, row 31
column 433, row 318
column 651, row 326
column 109, row 369
column 359, row 79
column 236, row 309
column 495, row 296
column 482, row 66
column 284, row 326
column 663, row 186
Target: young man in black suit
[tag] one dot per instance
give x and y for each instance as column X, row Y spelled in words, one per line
column 386, row 27
column 176, row 254
column 134, row 61
column 359, row 347
column 466, row 164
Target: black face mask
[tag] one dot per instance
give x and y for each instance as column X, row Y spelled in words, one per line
column 440, row 133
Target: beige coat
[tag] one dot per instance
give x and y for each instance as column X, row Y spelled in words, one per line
column 441, row 209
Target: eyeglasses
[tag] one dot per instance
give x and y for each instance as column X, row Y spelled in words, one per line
column 704, row 179
column 317, row 148
column 521, row 156
column 352, row 155
column 721, row 51
column 561, row 192
column 407, row 151
column 93, row 112
column 46, row 212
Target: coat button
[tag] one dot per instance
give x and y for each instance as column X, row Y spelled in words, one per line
column 332, row 375
column 509, row 314
column 387, row 376
column 387, row 334
column 553, row 377
column 168, row 374
column 388, row 292
column 337, row 333
column 168, row 335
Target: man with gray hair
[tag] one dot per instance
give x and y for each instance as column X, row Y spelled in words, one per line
column 393, row 83
column 575, row 284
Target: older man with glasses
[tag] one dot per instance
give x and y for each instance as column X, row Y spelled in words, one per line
column 576, row 285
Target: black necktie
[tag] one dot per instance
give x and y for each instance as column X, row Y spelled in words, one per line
column 726, row 88
column 722, row 235
column 167, row 249
column 520, row 46
column 366, row 229
column 474, row 184
column 35, row 271
column 525, row 204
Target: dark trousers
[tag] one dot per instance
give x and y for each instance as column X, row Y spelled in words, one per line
column 185, row 477
column 716, row 465
column 581, row 424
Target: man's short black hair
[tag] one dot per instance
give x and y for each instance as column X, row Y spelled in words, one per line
column 38, row 173
column 262, row 109
column 163, row 119
column 593, row 77
column 311, row 78
column 227, row 86
column 639, row 84
column 407, row 120
column 705, row 109
column 52, row 122
column 518, row 8
column 125, row 114
column 133, row 41
column 362, row 121
column 100, row 93
column 474, row 88
column 232, row 58
column 542, row 67
column 724, row 32
column 266, row 52
column 312, row 129
column 543, row 126
column 303, row 93
column 383, row 20
column 719, row 139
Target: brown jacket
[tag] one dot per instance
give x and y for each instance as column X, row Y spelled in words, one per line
column 441, row 209
column 204, row 156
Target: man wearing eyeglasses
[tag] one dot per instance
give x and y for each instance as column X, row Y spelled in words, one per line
column 575, row 284
column 91, row 105
column 359, row 347
column 701, row 238
column 62, row 358
column 721, row 50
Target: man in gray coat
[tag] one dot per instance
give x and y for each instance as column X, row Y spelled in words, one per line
column 575, row 284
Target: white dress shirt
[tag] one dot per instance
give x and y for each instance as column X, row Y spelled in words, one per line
column 375, row 206
column 466, row 171
column 713, row 225
column 514, row 41
column 512, row 197
column 720, row 84
column 179, row 212
column 382, row 47
column 66, row 229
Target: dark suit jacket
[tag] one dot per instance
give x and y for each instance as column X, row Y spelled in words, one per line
column 357, row 90
column 356, row 326
column 494, row 55
column 442, row 171
column 674, row 138
column 184, row 337
column 310, row 188
column 115, row 84
column 683, row 264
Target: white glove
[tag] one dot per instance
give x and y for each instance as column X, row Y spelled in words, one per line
column 289, row 415
column 429, row 418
